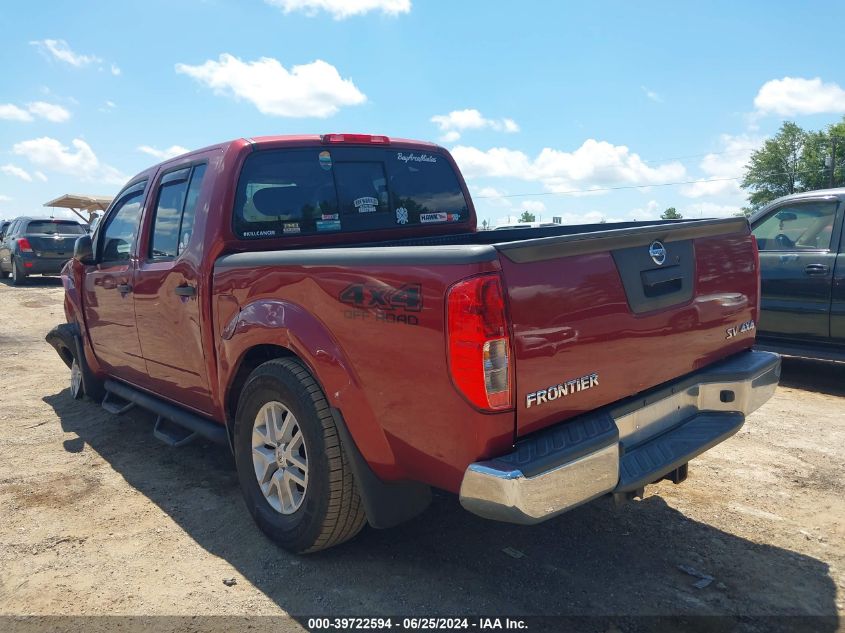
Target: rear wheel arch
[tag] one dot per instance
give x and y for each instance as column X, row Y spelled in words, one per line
column 252, row 358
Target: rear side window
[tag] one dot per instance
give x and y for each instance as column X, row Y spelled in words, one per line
column 44, row 227
column 175, row 210
column 309, row 191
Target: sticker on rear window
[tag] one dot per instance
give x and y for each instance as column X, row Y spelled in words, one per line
column 366, row 204
column 330, row 216
column 401, row 215
column 328, row 225
column 291, row 227
column 416, row 158
column 426, row 218
column 325, row 160
column 259, row 234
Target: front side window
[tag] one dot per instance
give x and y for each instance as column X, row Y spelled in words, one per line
column 344, row 189
column 795, row 227
column 121, row 230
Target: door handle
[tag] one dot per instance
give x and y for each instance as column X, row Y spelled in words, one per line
column 185, row 291
column 124, row 288
column 817, row 269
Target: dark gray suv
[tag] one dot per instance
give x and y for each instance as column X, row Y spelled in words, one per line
column 32, row 246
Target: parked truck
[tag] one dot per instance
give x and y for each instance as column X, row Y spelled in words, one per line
column 325, row 307
column 802, row 267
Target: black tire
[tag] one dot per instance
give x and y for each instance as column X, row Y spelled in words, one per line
column 4, row 273
column 331, row 511
column 18, row 274
column 65, row 339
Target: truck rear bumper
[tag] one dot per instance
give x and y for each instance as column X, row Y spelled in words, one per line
column 623, row 447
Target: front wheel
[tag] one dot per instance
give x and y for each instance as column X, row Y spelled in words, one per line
column 76, row 389
column 292, row 468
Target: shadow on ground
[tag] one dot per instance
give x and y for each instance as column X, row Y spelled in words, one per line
column 813, row 375
column 596, row 559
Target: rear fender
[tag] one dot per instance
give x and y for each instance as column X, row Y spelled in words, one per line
column 285, row 324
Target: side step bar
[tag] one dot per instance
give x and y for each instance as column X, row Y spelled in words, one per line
column 190, row 421
column 116, row 407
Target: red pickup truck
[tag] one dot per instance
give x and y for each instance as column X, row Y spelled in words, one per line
column 326, row 307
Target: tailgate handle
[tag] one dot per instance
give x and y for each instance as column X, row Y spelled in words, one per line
column 185, row 291
column 124, row 288
column 816, row 269
column 662, row 281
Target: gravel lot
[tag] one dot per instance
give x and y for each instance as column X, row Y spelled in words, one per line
column 100, row 518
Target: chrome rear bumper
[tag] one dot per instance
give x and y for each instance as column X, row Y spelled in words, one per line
column 623, row 447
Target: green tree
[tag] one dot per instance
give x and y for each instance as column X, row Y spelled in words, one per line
column 824, row 151
column 775, row 169
column 671, row 214
column 527, row 216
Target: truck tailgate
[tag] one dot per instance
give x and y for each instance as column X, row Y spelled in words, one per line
column 601, row 316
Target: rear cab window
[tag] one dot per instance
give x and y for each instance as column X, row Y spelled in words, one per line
column 323, row 190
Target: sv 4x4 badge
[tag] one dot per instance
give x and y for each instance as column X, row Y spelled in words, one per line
column 740, row 329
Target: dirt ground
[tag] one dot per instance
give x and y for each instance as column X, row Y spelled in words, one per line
column 97, row 517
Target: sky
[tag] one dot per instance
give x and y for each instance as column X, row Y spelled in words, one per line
column 585, row 111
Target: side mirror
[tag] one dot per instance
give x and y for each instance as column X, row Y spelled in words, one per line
column 83, row 250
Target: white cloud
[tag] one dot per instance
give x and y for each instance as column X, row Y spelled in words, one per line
column 5, row 198
column 532, row 206
column 40, row 175
column 49, row 111
column 594, row 165
column 17, row 172
column 651, row 94
column 115, row 70
column 457, row 121
column 491, row 195
column 51, row 155
column 11, row 112
column 42, row 109
column 308, row 90
column 163, row 154
column 341, row 9
column 61, row 50
column 710, row 210
column 794, row 95
column 724, row 169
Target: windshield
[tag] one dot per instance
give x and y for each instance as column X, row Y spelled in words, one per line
column 307, row 191
column 48, row 227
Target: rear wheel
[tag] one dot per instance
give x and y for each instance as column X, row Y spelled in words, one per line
column 18, row 275
column 292, row 469
column 3, row 273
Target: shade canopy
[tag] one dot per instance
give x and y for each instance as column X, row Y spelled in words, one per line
column 80, row 203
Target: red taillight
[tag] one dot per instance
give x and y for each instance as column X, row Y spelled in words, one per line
column 24, row 245
column 755, row 248
column 367, row 139
column 479, row 345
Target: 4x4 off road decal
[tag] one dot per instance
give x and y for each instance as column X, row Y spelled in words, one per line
column 382, row 302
